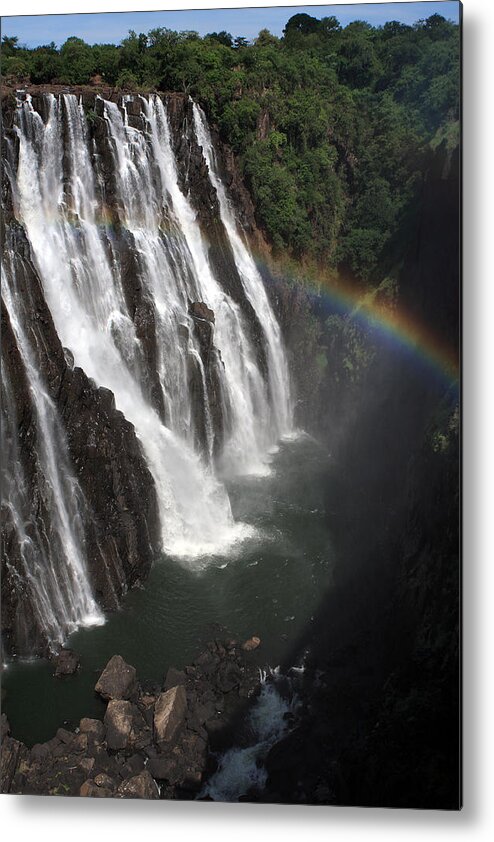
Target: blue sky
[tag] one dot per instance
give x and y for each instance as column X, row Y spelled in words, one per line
column 33, row 30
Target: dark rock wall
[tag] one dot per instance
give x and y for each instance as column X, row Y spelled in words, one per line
column 381, row 718
column 121, row 519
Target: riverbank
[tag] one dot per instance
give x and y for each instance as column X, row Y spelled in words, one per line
column 154, row 741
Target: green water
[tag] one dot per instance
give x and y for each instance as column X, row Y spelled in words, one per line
column 271, row 587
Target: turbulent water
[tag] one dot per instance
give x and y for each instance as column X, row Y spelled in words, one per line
column 271, row 586
column 59, row 199
column 241, row 769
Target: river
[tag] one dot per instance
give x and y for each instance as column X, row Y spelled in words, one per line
column 270, row 586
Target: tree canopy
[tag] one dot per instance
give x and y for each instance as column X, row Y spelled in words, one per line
column 331, row 124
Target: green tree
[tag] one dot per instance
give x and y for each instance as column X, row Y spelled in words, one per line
column 77, row 63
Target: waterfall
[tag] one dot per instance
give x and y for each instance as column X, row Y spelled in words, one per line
column 167, row 338
column 279, row 379
column 49, row 533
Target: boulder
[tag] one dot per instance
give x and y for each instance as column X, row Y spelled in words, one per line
column 94, row 729
column 140, row 786
column 118, row 724
column 67, row 663
column 118, row 680
column 251, row 644
column 169, row 714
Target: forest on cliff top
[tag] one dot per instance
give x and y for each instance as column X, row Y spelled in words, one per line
column 332, row 125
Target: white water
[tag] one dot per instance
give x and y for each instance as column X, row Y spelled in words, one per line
column 58, row 203
column 242, row 769
column 279, row 379
column 50, row 541
column 246, row 448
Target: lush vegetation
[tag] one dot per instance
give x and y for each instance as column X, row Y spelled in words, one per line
column 331, row 125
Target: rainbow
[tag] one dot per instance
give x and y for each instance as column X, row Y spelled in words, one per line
column 386, row 320
column 395, row 326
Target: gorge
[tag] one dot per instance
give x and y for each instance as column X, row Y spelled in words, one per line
column 159, row 489
column 115, row 277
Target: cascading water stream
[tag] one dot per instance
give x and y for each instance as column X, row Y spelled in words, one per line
column 51, row 538
column 59, row 196
column 83, row 292
column 245, row 450
column 279, row 379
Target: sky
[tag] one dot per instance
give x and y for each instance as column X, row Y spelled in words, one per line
column 112, row 27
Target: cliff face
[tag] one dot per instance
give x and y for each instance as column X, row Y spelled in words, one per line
column 381, row 722
column 120, row 517
column 121, row 527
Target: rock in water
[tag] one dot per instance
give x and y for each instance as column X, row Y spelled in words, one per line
column 169, row 714
column 251, row 644
column 67, row 662
column 118, row 722
column 118, row 680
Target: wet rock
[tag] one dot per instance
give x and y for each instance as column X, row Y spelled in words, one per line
column 118, row 724
column 200, row 310
column 118, row 680
column 69, row 357
column 140, row 786
column 169, row 714
column 251, row 644
column 67, row 662
column 106, row 457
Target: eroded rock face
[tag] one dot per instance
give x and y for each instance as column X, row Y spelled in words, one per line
column 121, row 521
column 118, row 680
